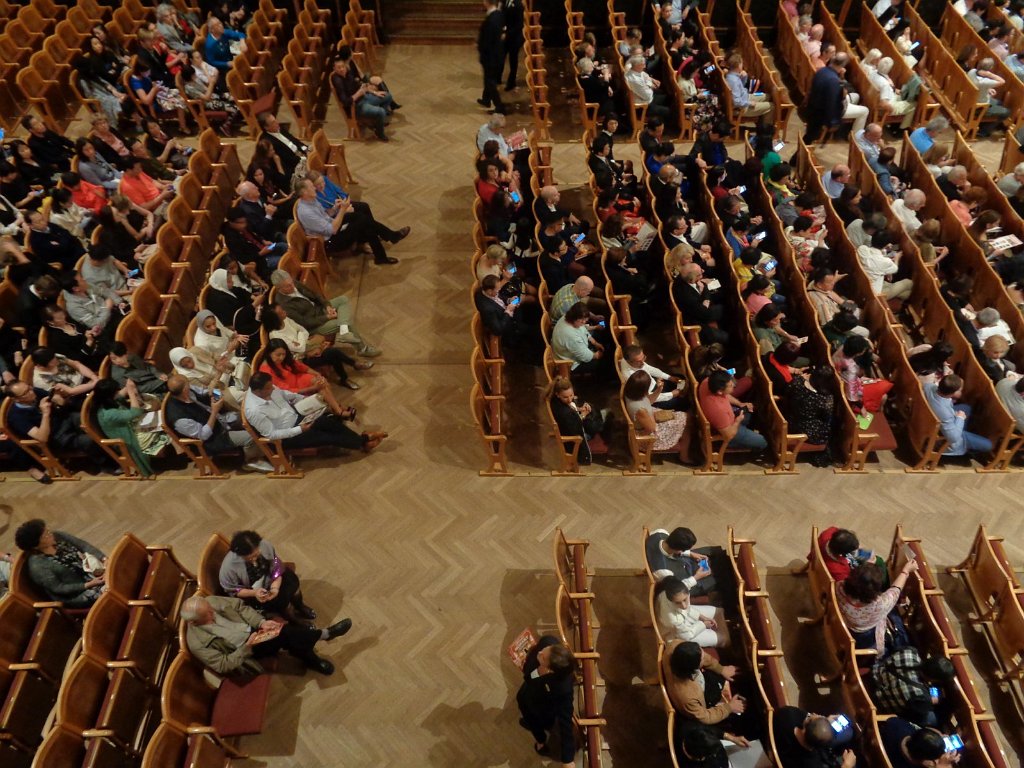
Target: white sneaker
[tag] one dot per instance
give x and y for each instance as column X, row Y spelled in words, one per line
column 258, row 466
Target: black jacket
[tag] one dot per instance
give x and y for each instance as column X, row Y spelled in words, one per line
column 489, row 43
column 494, row 318
column 691, row 304
column 57, row 244
column 547, row 701
column 289, row 159
column 827, row 97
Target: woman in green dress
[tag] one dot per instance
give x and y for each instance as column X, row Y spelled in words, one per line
column 123, row 422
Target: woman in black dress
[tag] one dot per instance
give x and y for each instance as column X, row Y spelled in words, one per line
column 545, row 698
column 811, row 406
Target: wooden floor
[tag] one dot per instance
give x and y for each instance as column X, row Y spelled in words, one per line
column 440, row 568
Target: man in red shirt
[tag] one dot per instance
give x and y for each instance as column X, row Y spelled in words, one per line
column 142, row 189
column 727, row 415
column 91, row 197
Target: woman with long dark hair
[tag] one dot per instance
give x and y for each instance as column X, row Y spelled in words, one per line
column 289, row 374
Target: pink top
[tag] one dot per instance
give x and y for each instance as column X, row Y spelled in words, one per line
column 755, row 302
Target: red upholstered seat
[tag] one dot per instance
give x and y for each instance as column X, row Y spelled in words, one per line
column 241, row 706
column 598, row 447
column 886, row 439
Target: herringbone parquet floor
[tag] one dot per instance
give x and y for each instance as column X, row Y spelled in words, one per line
column 440, row 568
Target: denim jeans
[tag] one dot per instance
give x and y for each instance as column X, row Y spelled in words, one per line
column 375, row 107
column 748, row 438
column 975, row 443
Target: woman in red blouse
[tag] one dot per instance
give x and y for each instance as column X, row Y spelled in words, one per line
column 294, row 376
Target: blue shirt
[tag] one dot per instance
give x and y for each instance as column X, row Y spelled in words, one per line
column 740, row 94
column 218, row 50
column 952, row 425
column 921, row 140
column 330, row 195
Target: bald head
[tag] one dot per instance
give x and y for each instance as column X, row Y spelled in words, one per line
column 957, row 174
column 583, row 287
column 873, row 132
column 840, row 60
column 176, row 384
column 817, row 32
column 818, row 732
column 914, row 199
column 840, row 173
column 549, row 194
column 248, row 191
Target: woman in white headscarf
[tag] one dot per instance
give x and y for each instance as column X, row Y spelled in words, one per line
column 222, row 344
column 204, row 371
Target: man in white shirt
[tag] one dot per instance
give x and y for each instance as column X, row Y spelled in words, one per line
column 989, row 323
column 1011, row 182
column 1011, row 393
column 878, row 263
column 906, row 209
column 644, row 87
column 669, row 388
column 987, row 82
column 272, row 413
column 870, row 141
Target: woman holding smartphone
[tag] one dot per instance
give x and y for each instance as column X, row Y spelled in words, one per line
column 253, row 572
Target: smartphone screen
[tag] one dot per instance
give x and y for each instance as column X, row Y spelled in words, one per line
column 770, row 265
column 516, row 197
column 515, row 301
column 915, row 44
column 134, row 272
column 953, row 742
column 742, row 188
column 840, row 723
column 731, row 371
column 933, row 692
column 779, row 146
column 760, row 236
column 511, row 269
column 579, row 238
column 216, row 393
column 602, row 323
column 709, row 69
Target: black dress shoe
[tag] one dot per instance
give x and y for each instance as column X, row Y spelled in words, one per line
column 484, row 104
column 386, row 260
column 402, row 234
column 317, row 664
column 339, row 629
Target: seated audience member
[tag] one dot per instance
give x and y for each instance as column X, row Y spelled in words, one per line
column 727, row 415
column 126, row 366
column 272, row 413
column 315, row 350
column 32, row 297
column 954, row 183
column 969, row 205
column 97, row 309
column 264, row 216
column 545, row 698
column 889, row 96
column 47, row 147
column 992, row 357
column 699, row 687
column 67, row 569
column 879, row 261
column 645, row 89
column 679, row 619
column 222, row 634
column 492, row 131
column 547, row 204
column 571, row 340
column 1011, row 394
column 218, row 44
column 802, row 236
column 105, row 273
column 850, row 361
column 197, row 413
column 597, row 86
column 907, row 745
column 902, row 677
column 252, row 572
column 1011, row 182
column 989, row 324
column 926, row 236
column 840, row 549
column 327, row 317
column 869, row 609
column 807, row 740
column 670, row 388
column 288, row 149
column 922, row 138
column 574, row 417
column 235, row 298
column 291, row 375
column 906, row 210
column 34, row 172
column 66, row 213
column 499, row 317
column 51, row 420
column 363, row 97
column 861, row 231
column 51, row 243
column 145, row 191
column 669, row 430
column 674, row 554
column 931, row 362
column 833, row 181
column 698, row 305
column 207, row 371
column 119, row 412
column 260, row 255
column 847, row 205
column 95, row 168
column 69, row 339
column 338, row 233
column 58, row 375
column 771, row 335
column 826, row 302
column 983, row 76
column 784, row 366
column 745, row 102
column 953, row 418
column 571, row 294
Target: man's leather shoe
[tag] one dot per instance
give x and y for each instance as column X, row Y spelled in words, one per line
column 339, row 629
column 386, row 260
column 318, row 664
column 484, row 104
column 402, row 234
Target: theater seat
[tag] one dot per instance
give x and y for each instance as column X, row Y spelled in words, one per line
column 233, row 710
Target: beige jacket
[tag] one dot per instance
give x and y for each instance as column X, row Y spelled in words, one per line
column 212, row 650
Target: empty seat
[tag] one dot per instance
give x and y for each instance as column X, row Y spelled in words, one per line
column 236, row 708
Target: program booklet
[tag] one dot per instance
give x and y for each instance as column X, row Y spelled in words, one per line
column 262, row 635
column 521, row 646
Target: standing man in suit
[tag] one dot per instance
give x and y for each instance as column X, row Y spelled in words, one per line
column 490, row 45
column 514, row 39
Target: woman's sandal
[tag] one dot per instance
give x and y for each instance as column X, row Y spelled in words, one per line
column 348, row 414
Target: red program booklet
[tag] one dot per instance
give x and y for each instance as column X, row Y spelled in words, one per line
column 521, row 646
column 262, row 635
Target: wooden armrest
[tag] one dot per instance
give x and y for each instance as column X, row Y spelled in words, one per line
column 598, row 721
column 758, row 593
column 96, row 733
column 121, row 665
column 581, row 595
column 46, row 604
column 767, row 654
column 586, row 655
column 24, row 666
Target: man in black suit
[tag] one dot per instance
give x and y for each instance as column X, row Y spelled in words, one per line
column 498, row 317
column 248, row 247
column 490, row 45
column 514, row 39
column 33, row 296
column 52, row 243
column 264, row 220
column 288, row 148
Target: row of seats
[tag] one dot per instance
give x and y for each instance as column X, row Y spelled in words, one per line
column 931, row 633
column 574, row 614
column 998, row 600
column 105, row 691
